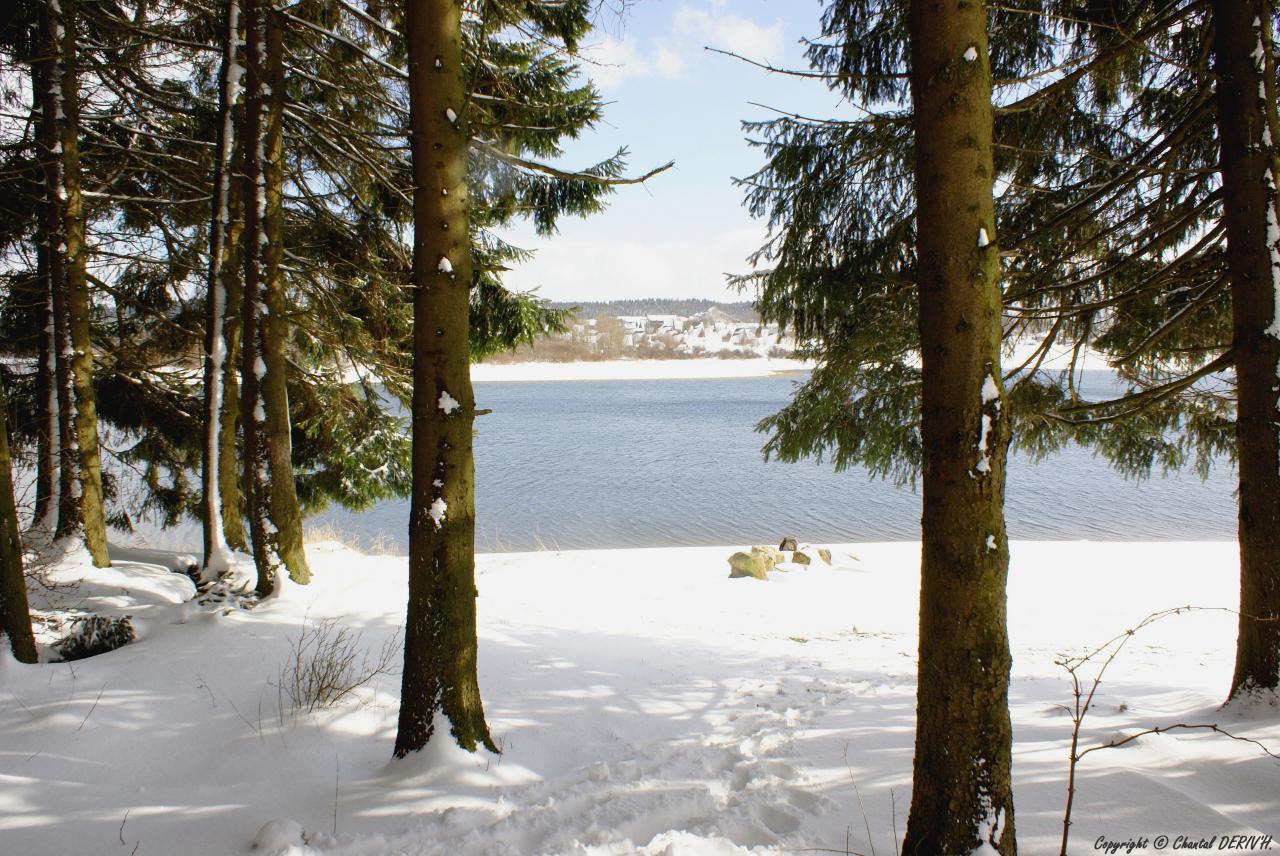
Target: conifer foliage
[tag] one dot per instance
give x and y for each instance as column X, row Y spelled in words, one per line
column 221, row 265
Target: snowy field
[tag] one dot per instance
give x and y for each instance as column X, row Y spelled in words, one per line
column 705, row 368
column 708, row 368
column 644, row 703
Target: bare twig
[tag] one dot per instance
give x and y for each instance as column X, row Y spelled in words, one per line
column 93, row 708
column 1083, row 701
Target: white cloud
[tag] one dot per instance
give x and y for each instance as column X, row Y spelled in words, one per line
column 606, row 268
column 612, row 61
column 716, row 28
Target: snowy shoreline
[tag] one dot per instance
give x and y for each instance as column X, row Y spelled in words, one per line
column 645, row 703
column 708, row 368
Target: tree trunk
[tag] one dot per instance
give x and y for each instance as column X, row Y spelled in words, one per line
column 439, row 687
column 961, row 792
column 1253, row 262
column 253, row 369
column 53, row 116
column 15, row 617
column 217, row 555
column 45, row 518
column 286, row 516
column 92, row 516
column 232, row 503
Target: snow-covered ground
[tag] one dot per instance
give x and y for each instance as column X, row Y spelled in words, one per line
column 706, row 368
column 644, row 702
column 703, row 368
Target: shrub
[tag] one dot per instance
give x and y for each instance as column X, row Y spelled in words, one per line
column 95, row 634
column 328, row 664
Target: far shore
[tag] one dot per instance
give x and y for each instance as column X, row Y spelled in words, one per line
column 708, row 368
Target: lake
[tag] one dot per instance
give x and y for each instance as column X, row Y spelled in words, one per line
column 590, row 464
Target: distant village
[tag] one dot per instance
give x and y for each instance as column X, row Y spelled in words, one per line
column 711, row 332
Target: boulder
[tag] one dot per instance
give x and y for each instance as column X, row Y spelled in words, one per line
column 788, row 544
column 824, row 554
column 771, row 555
column 800, row 558
column 748, row 565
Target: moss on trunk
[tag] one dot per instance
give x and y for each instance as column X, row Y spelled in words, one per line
column 92, row 516
column 285, row 513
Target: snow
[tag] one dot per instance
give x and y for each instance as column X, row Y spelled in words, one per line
column 984, row 454
column 451, row 115
column 448, row 403
column 437, row 511
column 681, row 369
column 277, row 835
column 445, row 266
column 983, row 240
column 971, row 53
column 990, row 390
column 644, row 702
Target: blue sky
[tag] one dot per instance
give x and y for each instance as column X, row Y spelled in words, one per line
column 672, row 100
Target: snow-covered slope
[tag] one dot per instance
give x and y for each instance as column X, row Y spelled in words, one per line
column 644, row 703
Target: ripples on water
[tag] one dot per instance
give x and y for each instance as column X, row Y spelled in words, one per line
column 583, row 464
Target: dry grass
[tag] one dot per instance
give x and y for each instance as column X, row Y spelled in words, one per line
column 328, row 663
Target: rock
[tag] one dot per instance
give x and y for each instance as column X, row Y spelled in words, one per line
column 788, row 544
column 748, row 565
column 800, row 558
column 824, row 554
column 771, row 555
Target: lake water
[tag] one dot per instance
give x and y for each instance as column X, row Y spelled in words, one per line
column 583, row 464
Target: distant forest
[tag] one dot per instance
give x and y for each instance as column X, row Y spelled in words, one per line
column 742, row 311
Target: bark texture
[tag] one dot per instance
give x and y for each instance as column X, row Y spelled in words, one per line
column 253, row 369
column 52, row 118
column 439, row 686
column 15, row 617
column 216, row 551
column 961, row 793
column 285, row 513
column 232, row 502
column 45, row 518
column 92, row 516
column 1248, row 213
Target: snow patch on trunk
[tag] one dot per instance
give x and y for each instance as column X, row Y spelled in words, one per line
column 990, row 401
column 437, row 511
